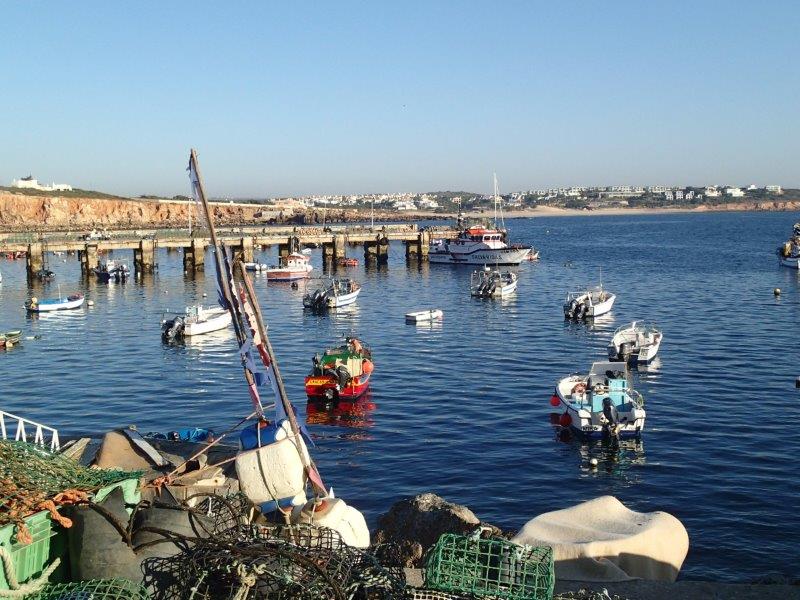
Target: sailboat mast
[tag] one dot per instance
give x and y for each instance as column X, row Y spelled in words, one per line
column 495, row 198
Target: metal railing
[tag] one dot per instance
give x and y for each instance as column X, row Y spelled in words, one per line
column 23, row 428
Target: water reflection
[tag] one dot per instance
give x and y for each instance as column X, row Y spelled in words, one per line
column 357, row 414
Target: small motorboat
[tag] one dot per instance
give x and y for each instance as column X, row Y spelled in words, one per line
column 196, row 320
column 256, row 266
column 112, row 271
column 348, row 262
column 294, row 266
column 789, row 252
column 35, row 305
column 45, row 274
column 337, row 293
column 422, row 316
column 341, row 373
column 600, row 404
column 487, row 283
column 588, row 303
column 636, row 342
column 10, row 338
column 534, row 255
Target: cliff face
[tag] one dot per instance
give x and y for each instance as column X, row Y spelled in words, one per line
column 740, row 206
column 19, row 212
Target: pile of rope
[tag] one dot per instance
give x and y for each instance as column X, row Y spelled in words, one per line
column 231, row 560
column 34, row 479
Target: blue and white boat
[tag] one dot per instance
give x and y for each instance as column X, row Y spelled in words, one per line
column 601, row 403
column 60, row 303
column 112, row 271
column 337, row 293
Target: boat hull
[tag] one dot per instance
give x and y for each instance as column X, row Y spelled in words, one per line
column 54, row 306
column 341, row 300
column 284, row 275
column 325, row 388
column 423, row 316
column 791, row 262
column 587, row 424
column 487, row 256
column 219, row 321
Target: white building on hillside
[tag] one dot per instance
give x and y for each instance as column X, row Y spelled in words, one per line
column 774, row 189
column 734, row 192
column 712, row 192
column 29, row 183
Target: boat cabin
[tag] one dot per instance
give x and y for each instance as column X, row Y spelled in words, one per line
column 607, row 380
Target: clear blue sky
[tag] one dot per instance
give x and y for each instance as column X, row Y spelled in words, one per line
column 343, row 97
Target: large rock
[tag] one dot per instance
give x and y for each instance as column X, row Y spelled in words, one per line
column 415, row 524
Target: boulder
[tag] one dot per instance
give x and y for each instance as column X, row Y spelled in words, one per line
column 415, row 524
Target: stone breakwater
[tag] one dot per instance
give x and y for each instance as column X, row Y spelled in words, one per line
column 20, row 212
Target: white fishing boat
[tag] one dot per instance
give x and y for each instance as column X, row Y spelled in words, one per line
column 789, row 251
column 479, row 244
column 112, row 271
column 637, row 342
column 588, row 304
column 335, row 294
column 294, row 266
column 422, row 316
column 601, row 403
column 35, row 305
column 196, row 320
column 487, row 283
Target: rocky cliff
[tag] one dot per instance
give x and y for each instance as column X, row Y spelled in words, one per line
column 21, row 212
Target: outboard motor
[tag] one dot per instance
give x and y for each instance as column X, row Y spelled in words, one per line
column 317, row 368
column 581, row 311
column 343, row 376
column 612, row 417
column 625, row 350
column 172, row 329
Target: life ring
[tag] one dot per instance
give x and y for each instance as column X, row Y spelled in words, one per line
column 579, row 388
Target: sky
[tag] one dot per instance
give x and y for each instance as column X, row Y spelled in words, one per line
column 286, row 99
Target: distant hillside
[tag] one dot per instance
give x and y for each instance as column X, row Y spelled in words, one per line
column 75, row 193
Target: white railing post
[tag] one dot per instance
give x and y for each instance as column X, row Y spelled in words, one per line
column 40, row 431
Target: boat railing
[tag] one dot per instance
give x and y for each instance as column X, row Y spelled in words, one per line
column 23, row 429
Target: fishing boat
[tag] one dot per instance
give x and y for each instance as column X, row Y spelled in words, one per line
column 35, row 305
column 196, row 320
column 488, row 283
column 534, row 255
column 348, row 262
column 335, row 294
column 587, row 304
column 294, row 266
column 10, row 338
column 601, row 403
column 112, row 271
column 479, row 244
column 341, row 373
column 789, row 251
column 45, row 274
column 636, row 342
column 423, row 316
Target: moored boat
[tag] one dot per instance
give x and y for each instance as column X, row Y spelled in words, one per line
column 45, row 274
column 10, row 338
column 637, row 342
column 294, row 266
column 196, row 320
column 335, row 294
column 423, row 316
column 588, row 303
column 35, row 305
column 486, row 283
column 348, row 262
column 789, row 251
column 256, row 266
column 601, row 403
column 112, row 271
column 341, row 373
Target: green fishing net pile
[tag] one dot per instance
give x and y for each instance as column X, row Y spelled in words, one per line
column 30, row 474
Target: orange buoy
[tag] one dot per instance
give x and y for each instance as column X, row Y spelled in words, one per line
column 565, row 420
column 554, row 400
column 367, row 366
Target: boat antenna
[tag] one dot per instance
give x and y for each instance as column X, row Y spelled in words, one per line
column 495, row 198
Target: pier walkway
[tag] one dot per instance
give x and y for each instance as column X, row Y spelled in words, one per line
column 333, row 240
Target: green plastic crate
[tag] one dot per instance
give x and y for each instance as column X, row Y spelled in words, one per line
column 29, row 560
column 490, row 567
column 96, row 589
column 130, row 492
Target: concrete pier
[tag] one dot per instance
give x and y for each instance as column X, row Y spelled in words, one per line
column 194, row 256
column 418, row 248
column 88, row 258
column 144, row 256
column 377, row 251
column 34, row 258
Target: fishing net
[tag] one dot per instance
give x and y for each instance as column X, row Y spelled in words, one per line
column 96, row 589
column 272, row 562
column 490, row 567
column 30, row 475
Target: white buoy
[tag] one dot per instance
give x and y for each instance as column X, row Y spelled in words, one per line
column 593, row 462
column 204, row 294
column 90, row 302
column 777, row 291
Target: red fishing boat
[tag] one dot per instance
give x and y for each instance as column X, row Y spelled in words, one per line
column 341, row 373
column 348, row 262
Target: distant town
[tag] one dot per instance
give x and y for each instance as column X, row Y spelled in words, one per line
column 575, row 197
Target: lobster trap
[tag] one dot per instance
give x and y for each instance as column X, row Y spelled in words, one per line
column 497, row 568
column 96, row 589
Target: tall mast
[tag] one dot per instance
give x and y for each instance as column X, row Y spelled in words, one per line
column 495, row 198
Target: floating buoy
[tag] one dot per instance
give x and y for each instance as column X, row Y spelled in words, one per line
column 565, row 420
column 593, row 462
column 166, row 291
column 204, row 294
column 90, row 302
column 554, row 400
column 777, row 291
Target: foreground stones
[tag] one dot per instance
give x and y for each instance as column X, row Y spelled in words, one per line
column 413, row 525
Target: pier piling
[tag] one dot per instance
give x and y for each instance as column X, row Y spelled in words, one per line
column 144, row 256
column 35, row 258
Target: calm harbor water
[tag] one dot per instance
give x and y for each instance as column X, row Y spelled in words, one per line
column 461, row 407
